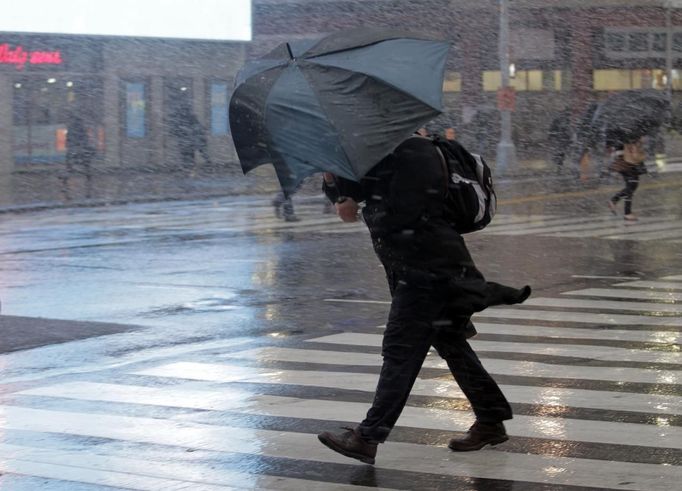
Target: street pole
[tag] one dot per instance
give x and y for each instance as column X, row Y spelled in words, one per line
column 661, row 159
column 506, row 152
column 669, row 51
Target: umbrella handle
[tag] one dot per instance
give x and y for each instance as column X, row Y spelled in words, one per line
column 331, row 186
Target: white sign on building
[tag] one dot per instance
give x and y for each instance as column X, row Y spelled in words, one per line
column 218, row 20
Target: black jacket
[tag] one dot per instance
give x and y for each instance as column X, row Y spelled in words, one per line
column 404, row 197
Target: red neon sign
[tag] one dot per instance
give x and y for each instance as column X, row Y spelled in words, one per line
column 20, row 57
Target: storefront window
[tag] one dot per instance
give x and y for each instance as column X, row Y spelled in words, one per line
column 524, row 80
column 135, row 108
column 219, row 103
column 491, row 81
column 534, row 80
column 659, row 41
column 43, row 108
column 638, row 41
column 452, row 82
column 558, row 80
column 629, row 79
column 612, row 80
column 677, row 41
column 615, row 41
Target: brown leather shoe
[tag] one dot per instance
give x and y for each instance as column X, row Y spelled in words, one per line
column 351, row 444
column 478, row 436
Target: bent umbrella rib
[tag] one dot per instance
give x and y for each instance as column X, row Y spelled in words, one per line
column 416, row 67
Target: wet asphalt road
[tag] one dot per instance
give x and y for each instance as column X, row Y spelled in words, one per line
column 242, row 336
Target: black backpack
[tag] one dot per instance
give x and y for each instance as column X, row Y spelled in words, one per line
column 470, row 201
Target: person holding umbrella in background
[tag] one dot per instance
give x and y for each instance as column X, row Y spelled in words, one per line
column 625, row 120
column 622, row 119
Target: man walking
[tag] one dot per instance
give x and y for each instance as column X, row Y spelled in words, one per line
column 559, row 138
column 190, row 136
column 435, row 288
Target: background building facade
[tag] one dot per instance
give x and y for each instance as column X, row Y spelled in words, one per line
column 564, row 54
column 124, row 90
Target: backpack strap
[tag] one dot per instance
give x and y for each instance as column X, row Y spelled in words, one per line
column 444, row 166
column 443, row 162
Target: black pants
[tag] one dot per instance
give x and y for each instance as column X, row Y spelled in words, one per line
column 419, row 319
column 285, row 203
column 631, row 184
column 558, row 154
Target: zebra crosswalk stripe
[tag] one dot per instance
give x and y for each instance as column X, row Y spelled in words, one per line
column 610, row 401
column 145, row 474
column 668, row 232
column 576, row 350
column 580, row 317
column 661, row 227
column 290, row 445
column 654, row 285
column 416, row 417
column 668, row 297
column 650, row 335
column 567, row 303
column 590, row 414
column 218, row 218
column 494, row 366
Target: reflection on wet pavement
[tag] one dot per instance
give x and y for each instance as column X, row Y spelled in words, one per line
column 247, row 351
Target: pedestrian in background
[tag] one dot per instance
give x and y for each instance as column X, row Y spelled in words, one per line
column 628, row 161
column 559, row 138
column 484, row 129
column 190, row 136
column 587, row 139
column 284, row 207
column 79, row 149
column 80, row 153
column 655, row 146
column 435, row 288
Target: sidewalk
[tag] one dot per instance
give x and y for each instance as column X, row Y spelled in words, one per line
column 21, row 333
column 30, row 191
column 39, row 190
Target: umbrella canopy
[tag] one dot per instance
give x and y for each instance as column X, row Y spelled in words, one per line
column 338, row 104
column 630, row 115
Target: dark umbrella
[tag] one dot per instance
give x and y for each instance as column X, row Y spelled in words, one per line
column 338, row 104
column 630, row 115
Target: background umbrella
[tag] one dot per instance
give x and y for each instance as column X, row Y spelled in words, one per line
column 338, row 104
column 630, row 115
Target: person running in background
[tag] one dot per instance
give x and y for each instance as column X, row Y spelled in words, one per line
column 628, row 161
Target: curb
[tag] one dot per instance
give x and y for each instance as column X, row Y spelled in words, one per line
column 568, row 175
